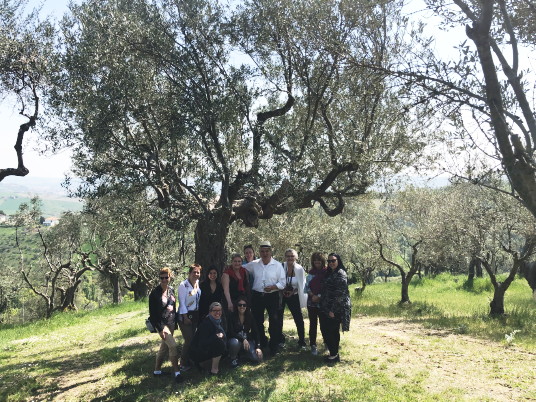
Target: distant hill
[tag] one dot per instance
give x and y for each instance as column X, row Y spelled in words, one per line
column 16, row 190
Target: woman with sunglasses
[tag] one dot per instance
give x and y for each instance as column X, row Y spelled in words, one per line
column 162, row 308
column 243, row 335
column 293, row 295
column 335, row 307
column 209, row 342
column 188, row 317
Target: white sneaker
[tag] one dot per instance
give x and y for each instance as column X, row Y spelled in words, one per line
column 314, row 350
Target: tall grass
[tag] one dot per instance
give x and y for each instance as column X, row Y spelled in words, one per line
column 9, row 332
column 451, row 302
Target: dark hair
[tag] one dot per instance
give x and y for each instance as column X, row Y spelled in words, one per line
column 340, row 265
column 194, row 266
column 317, row 255
column 248, row 315
column 213, row 268
column 252, row 249
column 167, row 271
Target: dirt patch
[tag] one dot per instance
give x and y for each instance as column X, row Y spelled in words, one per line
column 442, row 361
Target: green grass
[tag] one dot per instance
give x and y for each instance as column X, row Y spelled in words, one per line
column 51, row 206
column 107, row 354
column 448, row 302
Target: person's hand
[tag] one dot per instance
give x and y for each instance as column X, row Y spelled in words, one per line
column 219, row 335
column 162, row 335
column 230, row 307
column 315, row 299
column 246, row 344
column 259, row 353
column 331, row 315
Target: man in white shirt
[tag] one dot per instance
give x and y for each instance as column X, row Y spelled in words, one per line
column 268, row 281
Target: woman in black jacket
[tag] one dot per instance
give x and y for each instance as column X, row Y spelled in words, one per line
column 211, row 291
column 335, row 306
column 209, row 342
column 243, row 335
column 162, row 310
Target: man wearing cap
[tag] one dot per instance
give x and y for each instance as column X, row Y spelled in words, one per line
column 268, row 280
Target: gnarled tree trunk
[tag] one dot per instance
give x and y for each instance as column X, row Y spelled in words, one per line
column 210, row 237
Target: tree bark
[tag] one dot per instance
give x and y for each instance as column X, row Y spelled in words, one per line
column 479, row 272
column 140, row 288
column 471, row 275
column 497, row 304
column 116, row 289
column 210, row 237
column 68, row 297
column 404, row 291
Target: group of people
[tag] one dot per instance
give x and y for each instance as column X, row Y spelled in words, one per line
column 225, row 317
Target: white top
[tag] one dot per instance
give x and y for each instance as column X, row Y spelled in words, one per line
column 266, row 275
column 299, row 276
column 188, row 296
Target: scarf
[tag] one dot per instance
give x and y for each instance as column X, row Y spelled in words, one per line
column 242, row 271
column 217, row 324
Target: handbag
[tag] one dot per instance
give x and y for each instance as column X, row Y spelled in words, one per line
column 150, row 326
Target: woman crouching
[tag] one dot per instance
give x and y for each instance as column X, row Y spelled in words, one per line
column 209, row 342
column 162, row 308
column 243, row 334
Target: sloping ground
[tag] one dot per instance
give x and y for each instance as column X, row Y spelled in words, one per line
column 382, row 359
column 445, row 363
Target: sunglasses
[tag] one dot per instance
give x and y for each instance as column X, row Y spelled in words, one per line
column 215, row 311
column 164, row 277
column 332, row 260
column 242, row 305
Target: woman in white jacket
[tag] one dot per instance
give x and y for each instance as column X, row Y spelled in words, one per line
column 293, row 295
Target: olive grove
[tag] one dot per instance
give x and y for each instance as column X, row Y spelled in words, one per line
column 233, row 114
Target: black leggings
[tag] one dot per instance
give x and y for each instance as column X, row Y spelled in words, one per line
column 330, row 332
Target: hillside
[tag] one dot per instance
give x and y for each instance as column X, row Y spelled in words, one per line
column 14, row 191
column 109, row 355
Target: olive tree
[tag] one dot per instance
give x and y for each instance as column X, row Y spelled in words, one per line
column 26, row 46
column 484, row 91
column 232, row 115
column 56, row 276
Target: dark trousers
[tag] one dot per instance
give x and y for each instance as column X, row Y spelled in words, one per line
column 313, row 324
column 270, row 303
column 330, row 332
column 293, row 303
column 215, row 349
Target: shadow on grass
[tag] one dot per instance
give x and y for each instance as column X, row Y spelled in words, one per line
column 247, row 382
column 26, row 379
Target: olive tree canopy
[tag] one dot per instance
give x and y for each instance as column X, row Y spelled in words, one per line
column 233, row 114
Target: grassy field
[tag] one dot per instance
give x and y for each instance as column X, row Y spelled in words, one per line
column 51, row 206
column 442, row 347
column 449, row 302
